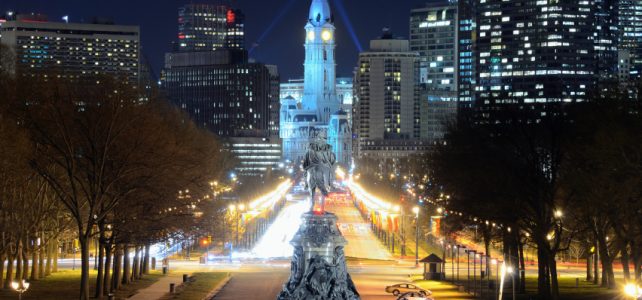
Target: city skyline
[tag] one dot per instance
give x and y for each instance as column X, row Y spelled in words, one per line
column 273, row 33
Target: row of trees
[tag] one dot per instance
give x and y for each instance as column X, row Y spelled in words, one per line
column 86, row 159
column 571, row 180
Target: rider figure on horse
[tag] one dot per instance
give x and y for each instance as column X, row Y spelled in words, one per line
column 319, row 167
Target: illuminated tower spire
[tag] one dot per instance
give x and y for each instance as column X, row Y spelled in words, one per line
column 319, row 75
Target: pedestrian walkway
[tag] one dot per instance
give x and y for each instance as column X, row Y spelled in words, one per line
column 160, row 288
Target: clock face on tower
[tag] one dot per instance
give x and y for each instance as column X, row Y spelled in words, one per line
column 326, row 35
column 311, row 35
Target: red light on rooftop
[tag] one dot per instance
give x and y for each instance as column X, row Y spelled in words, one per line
column 231, row 17
column 181, row 36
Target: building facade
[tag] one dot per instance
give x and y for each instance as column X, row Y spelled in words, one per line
column 256, row 155
column 319, row 109
column 532, row 56
column 434, row 34
column 630, row 39
column 386, row 114
column 73, row 51
column 294, row 88
column 208, row 27
column 211, row 78
column 231, row 98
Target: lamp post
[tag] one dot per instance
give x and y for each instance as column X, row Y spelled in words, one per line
column 474, row 272
column 632, row 290
column 496, row 263
column 416, row 211
column 482, row 274
column 452, row 262
column 20, row 287
column 510, row 271
column 458, row 248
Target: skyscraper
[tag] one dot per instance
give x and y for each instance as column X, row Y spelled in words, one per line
column 319, row 110
column 208, row 27
column 630, row 39
column 210, row 76
column 74, row 51
column 532, row 56
column 227, row 96
column 434, row 35
column 386, row 114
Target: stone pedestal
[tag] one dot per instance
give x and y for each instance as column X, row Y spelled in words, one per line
column 318, row 270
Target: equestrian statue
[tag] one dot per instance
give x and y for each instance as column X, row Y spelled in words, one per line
column 319, row 167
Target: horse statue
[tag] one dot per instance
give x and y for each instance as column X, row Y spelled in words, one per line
column 319, row 167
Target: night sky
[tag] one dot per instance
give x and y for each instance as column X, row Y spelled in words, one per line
column 282, row 45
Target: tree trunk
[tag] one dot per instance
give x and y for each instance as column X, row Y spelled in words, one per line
column 522, row 268
column 84, row 264
column 596, row 267
column 624, row 258
column 41, row 258
column 2, row 259
column 101, row 268
column 141, row 264
column 543, row 282
column 19, row 264
column 126, row 265
column 107, row 275
column 555, row 290
column 637, row 259
column 589, row 264
column 136, row 263
column 118, row 262
column 34, row 264
column 146, row 260
column 25, row 261
column 608, row 278
column 9, row 277
column 54, row 249
column 49, row 254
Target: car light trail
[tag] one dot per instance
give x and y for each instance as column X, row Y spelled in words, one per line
column 276, row 240
column 370, row 201
column 269, row 199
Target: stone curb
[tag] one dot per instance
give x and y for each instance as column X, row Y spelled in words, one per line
column 218, row 287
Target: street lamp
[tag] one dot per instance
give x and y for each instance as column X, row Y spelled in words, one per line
column 496, row 263
column 510, row 271
column 452, row 261
column 458, row 248
column 632, row 290
column 20, row 287
column 416, row 211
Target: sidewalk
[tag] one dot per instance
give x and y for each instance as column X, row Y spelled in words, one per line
column 160, row 288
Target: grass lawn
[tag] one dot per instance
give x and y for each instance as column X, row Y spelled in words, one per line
column 65, row 285
column 585, row 290
column 202, row 285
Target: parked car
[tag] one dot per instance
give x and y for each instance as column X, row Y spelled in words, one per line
column 413, row 296
column 402, row 288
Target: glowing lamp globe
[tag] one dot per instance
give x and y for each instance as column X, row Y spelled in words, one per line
column 311, row 35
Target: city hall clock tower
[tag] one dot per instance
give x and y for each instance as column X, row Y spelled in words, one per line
column 319, row 90
column 319, row 109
